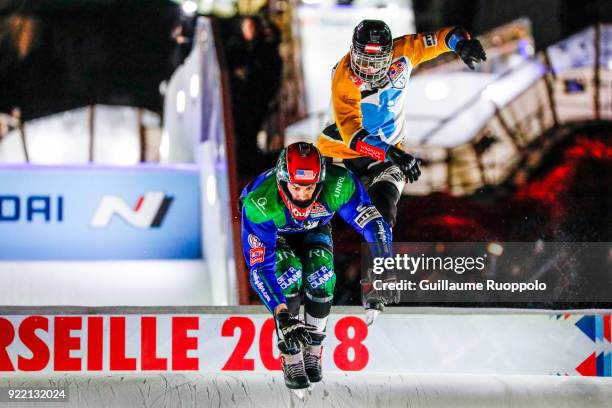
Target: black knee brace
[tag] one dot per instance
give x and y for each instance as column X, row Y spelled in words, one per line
column 384, row 196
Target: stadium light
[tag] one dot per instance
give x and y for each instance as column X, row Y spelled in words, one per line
column 194, row 86
column 495, row 249
column 164, row 146
column 180, row 101
column 211, row 189
column 189, row 7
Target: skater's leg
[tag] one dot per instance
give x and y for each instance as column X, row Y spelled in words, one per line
column 319, row 282
column 319, row 277
column 385, row 190
column 289, row 277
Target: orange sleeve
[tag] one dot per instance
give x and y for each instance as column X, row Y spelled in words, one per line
column 346, row 101
column 425, row 46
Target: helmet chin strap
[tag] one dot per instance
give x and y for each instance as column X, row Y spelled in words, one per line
column 298, row 212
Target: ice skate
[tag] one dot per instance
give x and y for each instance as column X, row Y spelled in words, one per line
column 312, row 362
column 294, row 371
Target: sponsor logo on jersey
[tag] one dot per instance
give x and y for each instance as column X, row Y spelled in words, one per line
column 365, row 215
column 396, row 74
column 254, row 241
column 430, row 40
column 319, row 277
column 381, row 231
column 289, row 278
column 397, row 68
column 258, row 251
column 308, row 225
column 149, row 212
column 369, row 150
column 259, row 285
column 260, row 204
column 338, row 188
column 318, row 211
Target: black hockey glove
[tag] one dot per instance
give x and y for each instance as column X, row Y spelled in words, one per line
column 295, row 333
column 470, row 51
column 407, row 164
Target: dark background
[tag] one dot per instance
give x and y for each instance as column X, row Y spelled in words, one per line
column 57, row 55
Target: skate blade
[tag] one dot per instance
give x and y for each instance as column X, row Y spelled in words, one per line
column 301, row 394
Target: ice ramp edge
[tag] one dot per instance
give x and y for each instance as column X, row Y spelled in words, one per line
column 359, row 389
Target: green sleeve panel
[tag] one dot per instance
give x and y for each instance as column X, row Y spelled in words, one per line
column 339, row 187
column 264, row 204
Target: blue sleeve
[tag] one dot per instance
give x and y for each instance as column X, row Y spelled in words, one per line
column 361, row 214
column 259, row 248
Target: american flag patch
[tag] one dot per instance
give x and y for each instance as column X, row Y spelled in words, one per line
column 304, row 174
column 371, row 48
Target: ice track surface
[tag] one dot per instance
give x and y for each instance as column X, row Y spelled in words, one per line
column 337, row 390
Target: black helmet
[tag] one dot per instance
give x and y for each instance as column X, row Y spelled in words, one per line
column 371, row 50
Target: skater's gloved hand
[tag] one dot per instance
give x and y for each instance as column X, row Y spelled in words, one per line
column 470, row 51
column 295, row 333
column 407, row 164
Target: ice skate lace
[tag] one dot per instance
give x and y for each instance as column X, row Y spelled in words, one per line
column 295, row 369
column 311, row 360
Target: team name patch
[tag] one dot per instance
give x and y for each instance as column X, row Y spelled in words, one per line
column 430, row 40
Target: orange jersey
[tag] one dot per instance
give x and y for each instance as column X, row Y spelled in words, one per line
column 375, row 116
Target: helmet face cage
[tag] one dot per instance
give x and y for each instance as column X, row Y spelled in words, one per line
column 300, row 163
column 370, row 67
column 371, row 51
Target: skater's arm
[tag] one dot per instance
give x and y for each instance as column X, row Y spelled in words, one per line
column 259, row 248
column 361, row 214
column 426, row 46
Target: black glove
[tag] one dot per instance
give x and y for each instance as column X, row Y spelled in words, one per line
column 470, row 51
column 407, row 164
column 295, row 333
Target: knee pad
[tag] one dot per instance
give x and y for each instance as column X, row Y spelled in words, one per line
column 319, row 283
column 288, row 272
column 385, row 196
column 319, row 276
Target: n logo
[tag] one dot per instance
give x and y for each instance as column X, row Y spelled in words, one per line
column 149, row 212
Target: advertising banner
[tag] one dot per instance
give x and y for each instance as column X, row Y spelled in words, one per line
column 522, row 344
column 99, row 213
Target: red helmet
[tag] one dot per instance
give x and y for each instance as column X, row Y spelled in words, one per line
column 300, row 163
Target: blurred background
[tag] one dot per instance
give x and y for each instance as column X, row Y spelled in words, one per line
column 128, row 128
